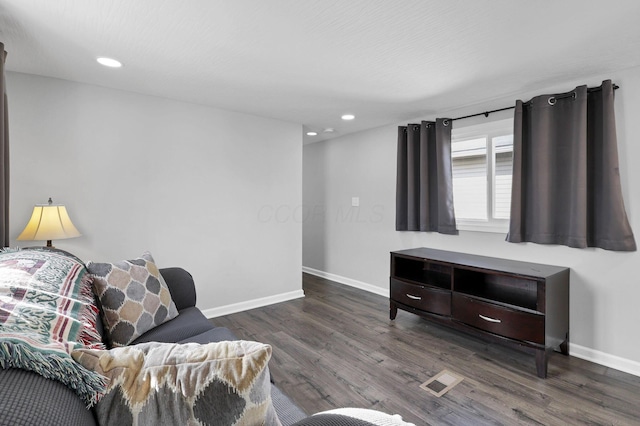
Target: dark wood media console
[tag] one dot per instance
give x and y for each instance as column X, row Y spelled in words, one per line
column 525, row 305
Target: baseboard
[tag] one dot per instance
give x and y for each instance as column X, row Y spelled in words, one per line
column 588, row 354
column 602, row 358
column 252, row 304
column 348, row 281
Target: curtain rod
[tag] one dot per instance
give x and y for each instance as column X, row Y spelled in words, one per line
column 566, row 95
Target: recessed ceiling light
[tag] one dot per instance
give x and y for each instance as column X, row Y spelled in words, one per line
column 328, row 130
column 312, row 133
column 348, row 117
column 108, row 62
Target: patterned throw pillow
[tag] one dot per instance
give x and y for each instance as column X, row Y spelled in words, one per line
column 134, row 297
column 223, row 383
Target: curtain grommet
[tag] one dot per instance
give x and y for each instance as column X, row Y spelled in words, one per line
column 552, row 101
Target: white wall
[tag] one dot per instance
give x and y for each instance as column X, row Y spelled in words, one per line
column 185, row 181
column 352, row 244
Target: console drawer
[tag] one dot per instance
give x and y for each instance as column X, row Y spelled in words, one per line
column 421, row 297
column 498, row 319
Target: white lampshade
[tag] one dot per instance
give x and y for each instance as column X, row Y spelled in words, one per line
column 49, row 222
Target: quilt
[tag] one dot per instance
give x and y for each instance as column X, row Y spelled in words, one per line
column 46, row 311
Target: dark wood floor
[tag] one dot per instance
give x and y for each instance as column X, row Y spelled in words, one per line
column 338, row 348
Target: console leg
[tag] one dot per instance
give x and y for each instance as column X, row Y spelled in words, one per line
column 564, row 347
column 393, row 310
column 542, row 360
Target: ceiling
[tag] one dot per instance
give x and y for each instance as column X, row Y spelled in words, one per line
column 310, row 61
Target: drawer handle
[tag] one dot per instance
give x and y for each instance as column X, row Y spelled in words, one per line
column 410, row 296
column 489, row 319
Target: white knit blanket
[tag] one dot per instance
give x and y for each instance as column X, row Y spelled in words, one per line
column 372, row 416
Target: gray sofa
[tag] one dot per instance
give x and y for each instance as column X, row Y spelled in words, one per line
column 27, row 398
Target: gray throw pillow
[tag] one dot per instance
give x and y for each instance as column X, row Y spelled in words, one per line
column 134, row 297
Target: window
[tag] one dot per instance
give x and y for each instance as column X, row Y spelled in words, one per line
column 482, row 157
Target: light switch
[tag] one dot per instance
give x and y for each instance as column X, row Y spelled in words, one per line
column 355, row 201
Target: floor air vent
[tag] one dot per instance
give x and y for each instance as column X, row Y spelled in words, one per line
column 441, row 383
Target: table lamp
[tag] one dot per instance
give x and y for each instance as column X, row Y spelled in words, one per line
column 49, row 222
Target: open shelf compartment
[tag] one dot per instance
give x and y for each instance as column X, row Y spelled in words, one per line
column 515, row 291
column 423, row 272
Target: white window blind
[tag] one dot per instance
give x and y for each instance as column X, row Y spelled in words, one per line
column 469, row 162
column 482, row 158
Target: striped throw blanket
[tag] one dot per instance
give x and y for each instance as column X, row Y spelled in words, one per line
column 46, row 311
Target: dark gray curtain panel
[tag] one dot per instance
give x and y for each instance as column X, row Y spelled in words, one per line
column 424, row 185
column 566, row 184
column 4, row 154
